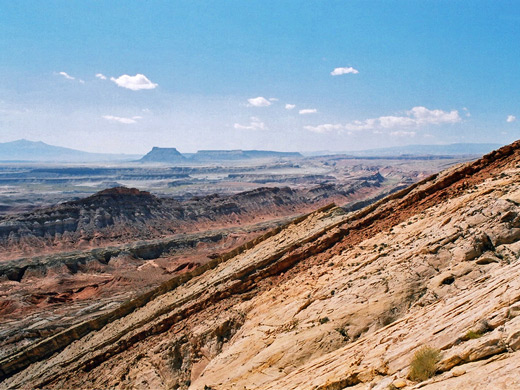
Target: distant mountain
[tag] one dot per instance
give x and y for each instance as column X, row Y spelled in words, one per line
column 217, row 155
column 458, row 149
column 163, row 155
column 28, row 151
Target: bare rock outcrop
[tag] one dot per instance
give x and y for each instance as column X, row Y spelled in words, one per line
column 121, row 215
column 330, row 301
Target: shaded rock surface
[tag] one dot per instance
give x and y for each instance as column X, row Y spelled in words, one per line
column 121, row 215
column 333, row 300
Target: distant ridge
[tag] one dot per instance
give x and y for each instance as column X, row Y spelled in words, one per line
column 216, row 155
column 172, row 155
column 37, row 151
column 456, row 149
column 29, row 151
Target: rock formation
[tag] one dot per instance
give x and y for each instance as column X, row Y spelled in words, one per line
column 225, row 155
column 121, row 215
column 332, row 300
column 163, row 155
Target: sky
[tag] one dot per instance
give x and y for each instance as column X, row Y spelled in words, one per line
column 123, row 76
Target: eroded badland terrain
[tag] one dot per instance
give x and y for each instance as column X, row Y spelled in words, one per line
column 272, row 288
column 66, row 263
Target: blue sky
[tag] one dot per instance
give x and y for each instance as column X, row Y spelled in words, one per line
column 281, row 75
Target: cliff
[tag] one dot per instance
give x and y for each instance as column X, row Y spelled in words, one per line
column 332, row 300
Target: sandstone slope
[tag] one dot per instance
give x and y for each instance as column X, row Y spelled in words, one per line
column 331, row 301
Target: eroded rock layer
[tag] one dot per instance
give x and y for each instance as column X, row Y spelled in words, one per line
column 121, row 215
column 331, row 301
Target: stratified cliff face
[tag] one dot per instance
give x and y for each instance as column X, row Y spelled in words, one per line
column 332, row 300
column 120, row 215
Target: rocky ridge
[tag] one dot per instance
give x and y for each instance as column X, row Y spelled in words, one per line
column 120, row 215
column 331, row 301
column 223, row 155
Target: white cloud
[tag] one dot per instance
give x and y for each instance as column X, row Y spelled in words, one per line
column 326, row 128
column 101, row 76
column 135, row 83
column 402, row 133
column 367, row 124
column 416, row 117
column 126, row 121
column 290, row 106
column 67, row 76
column 255, row 124
column 259, row 102
column 390, row 122
column 466, row 112
column 511, row 118
column 346, row 70
column 436, row 117
column 306, row 111
column 273, row 99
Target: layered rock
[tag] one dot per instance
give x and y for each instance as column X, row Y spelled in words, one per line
column 330, row 301
column 121, row 215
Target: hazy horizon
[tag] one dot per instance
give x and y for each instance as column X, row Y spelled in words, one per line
column 124, row 76
column 304, row 152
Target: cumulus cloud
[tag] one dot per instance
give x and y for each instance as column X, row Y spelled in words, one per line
column 306, row 111
column 67, row 76
column 101, row 76
column 135, row 83
column 290, row 106
column 346, row 70
column 435, row 117
column 118, row 119
column 259, row 102
column 255, row 124
column 273, row 99
column 511, row 118
column 415, row 118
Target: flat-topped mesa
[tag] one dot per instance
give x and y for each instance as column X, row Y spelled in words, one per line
column 239, row 154
column 163, row 155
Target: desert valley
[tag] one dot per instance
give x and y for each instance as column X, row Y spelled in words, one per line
column 331, row 281
column 259, row 195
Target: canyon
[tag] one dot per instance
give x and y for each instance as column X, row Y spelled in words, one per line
column 300, row 293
